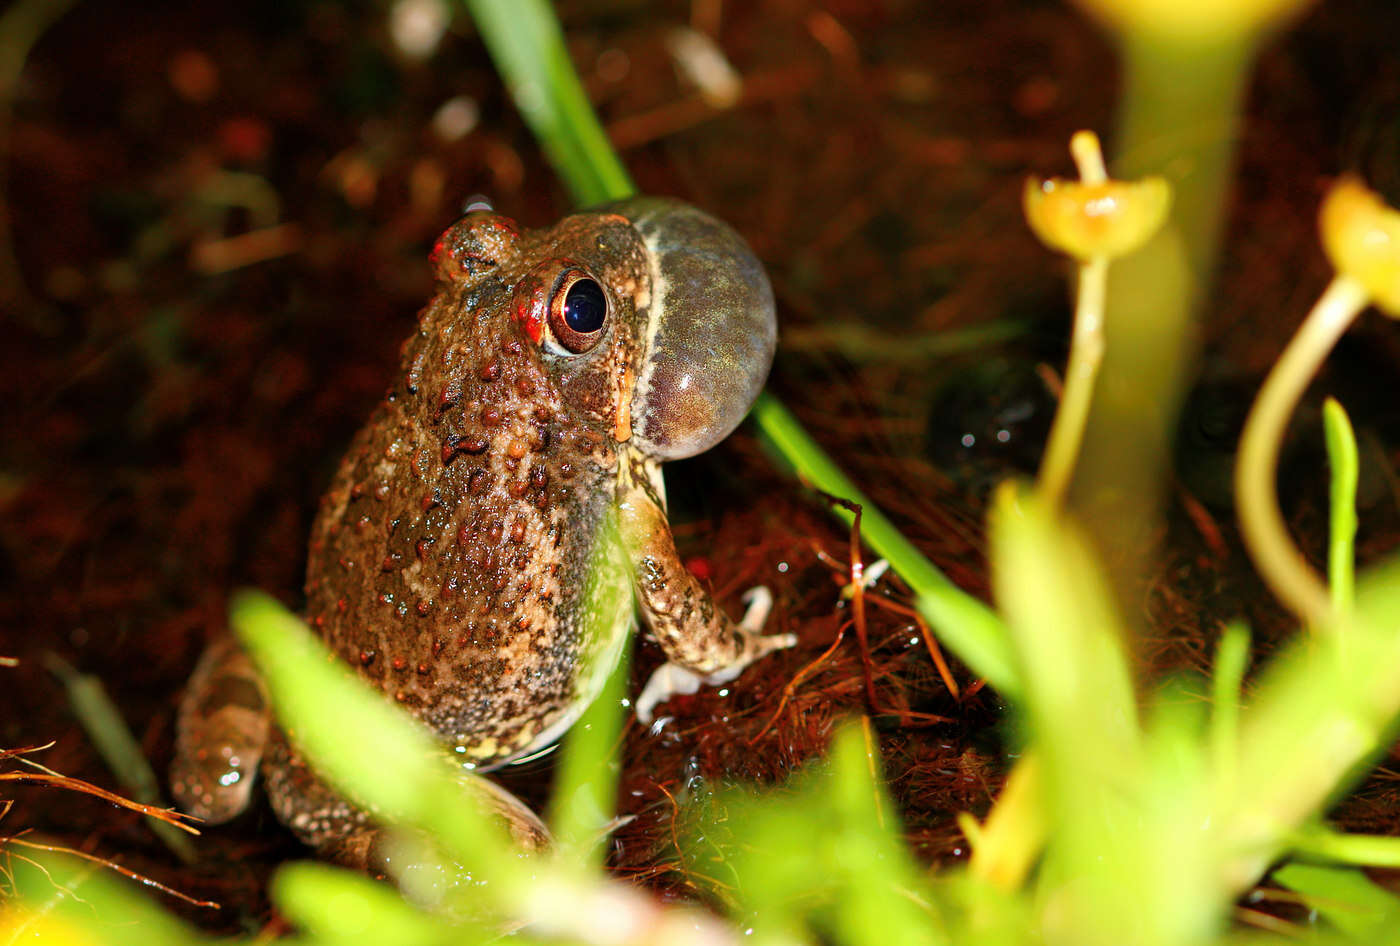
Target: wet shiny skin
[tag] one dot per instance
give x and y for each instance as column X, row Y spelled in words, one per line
column 450, row 555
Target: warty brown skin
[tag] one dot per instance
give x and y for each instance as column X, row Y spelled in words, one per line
column 466, row 511
column 451, row 555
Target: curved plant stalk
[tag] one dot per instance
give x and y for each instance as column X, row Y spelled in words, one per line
column 1361, row 235
column 1283, row 567
column 1086, row 354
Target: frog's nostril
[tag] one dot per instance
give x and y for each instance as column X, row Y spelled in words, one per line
column 713, row 328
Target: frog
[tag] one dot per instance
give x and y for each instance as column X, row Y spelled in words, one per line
column 453, row 561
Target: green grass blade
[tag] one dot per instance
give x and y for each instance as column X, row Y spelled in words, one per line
column 1231, row 661
column 1341, row 547
column 104, row 724
column 824, row 861
column 333, row 905
column 410, row 781
column 527, row 45
column 585, row 792
column 967, row 625
column 60, row 894
column 1346, row 898
column 1360, row 850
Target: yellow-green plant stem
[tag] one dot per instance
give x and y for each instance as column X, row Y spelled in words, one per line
column 1177, row 118
column 1282, row 566
column 1344, row 464
column 1085, row 355
column 1231, row 661
column 1367, row 850
column 1006, row 846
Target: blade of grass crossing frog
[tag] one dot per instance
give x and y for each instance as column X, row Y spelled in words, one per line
column 409, row 781
column 527, row 46
column 585, row 794
column 1344, row 465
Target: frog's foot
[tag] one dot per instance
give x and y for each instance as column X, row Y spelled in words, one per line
column 672, row 679
column 221, row 731
column 342, row 832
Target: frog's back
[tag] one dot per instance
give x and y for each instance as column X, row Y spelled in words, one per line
column 447, row 557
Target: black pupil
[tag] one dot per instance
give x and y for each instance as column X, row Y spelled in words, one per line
column 585, row 307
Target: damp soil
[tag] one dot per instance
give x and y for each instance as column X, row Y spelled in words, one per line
column 218, row 221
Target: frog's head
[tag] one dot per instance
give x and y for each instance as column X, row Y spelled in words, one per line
column 653, row 320
column 707, row 331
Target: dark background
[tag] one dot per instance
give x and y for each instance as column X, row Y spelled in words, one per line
column 219, row 216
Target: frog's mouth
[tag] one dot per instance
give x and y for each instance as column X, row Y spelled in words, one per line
column 710, row 332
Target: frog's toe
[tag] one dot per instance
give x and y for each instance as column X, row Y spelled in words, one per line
column 758, row 602
column 670, row 680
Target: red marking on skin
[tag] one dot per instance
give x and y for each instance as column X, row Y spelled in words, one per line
column 699, row 567
column 530, row 316
column 439, row 250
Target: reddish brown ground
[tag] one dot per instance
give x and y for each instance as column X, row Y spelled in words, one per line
column 174, row 406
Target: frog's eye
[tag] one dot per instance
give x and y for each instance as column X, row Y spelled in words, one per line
column 578, row 312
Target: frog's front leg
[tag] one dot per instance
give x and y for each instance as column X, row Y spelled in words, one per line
column 702, row 645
